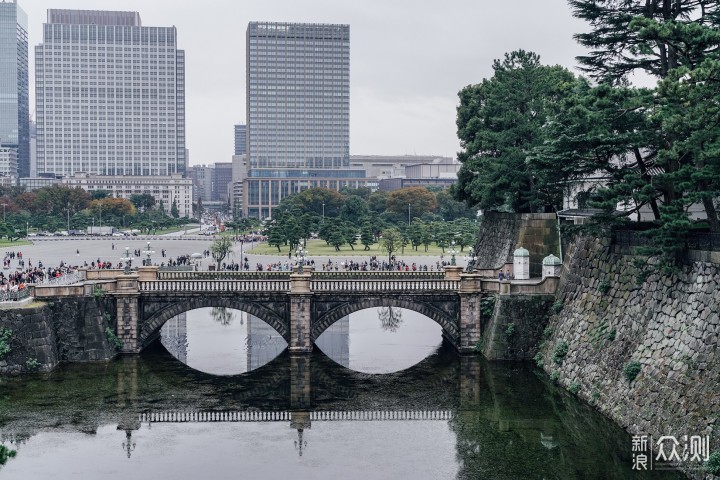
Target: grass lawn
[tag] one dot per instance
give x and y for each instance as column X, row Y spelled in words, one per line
column 320, row 249
column 17, row 243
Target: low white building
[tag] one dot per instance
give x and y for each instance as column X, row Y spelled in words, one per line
column 162, row 188
column 8, row 166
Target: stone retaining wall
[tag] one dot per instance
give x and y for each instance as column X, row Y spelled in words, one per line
column 516, row 326
column 64, row 330
column 614, row 309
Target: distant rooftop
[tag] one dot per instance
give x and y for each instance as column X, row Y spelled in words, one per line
column 93, row 17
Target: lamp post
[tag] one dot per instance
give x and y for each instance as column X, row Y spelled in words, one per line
column 300, row 254
column 148, row 252
column 453, row 252
column 408, row 214
column 126, row 258
column 68, row 218
column 27, row 229
column 323, row 218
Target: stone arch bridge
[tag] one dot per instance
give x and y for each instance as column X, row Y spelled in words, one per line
column 299, row 306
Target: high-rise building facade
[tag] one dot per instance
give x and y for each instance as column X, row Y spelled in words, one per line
column 298, row 112
column 240, row 139
column 110, row 96
column 14, row 84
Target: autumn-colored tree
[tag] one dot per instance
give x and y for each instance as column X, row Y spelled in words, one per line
column 419, row 200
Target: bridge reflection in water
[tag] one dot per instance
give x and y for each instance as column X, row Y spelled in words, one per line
column 505, row 422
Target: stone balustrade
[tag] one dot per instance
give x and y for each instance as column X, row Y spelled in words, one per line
column 401, row 285
column 209, row 286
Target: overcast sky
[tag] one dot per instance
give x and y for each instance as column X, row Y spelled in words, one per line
column 408, row 59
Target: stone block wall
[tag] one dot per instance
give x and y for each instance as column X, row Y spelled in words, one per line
column 501, row 233
column 44, row 334
column 613, row 309
column 32, row 339
column 516, row 326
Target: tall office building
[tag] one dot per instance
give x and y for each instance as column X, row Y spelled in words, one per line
column 14, row 93
column 240, row 139
column 110, row 96
column 298, row 112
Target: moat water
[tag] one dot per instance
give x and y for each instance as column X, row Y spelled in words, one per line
column 382, row 397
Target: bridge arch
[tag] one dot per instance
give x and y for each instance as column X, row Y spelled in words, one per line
column 446, row 320
column 152, row 324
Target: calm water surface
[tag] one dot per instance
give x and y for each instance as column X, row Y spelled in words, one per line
column 382, row 397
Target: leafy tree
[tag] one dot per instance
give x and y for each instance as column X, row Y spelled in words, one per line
column 221, row 248
column 419, row 199
column 350, row 232
column 499, row 121
column 275, row 231
column 362, row 192
column 377, row 202
column 390, row 241
column 100, row 194
column 654, row 36
column 174, row 209
column 415, row 233
column 449, row 209
column 312, row 200
column 366, row 236
column 142, row 201
column 337, row 236
column 354, row 209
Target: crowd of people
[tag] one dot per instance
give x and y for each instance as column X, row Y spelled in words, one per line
column 18, row 279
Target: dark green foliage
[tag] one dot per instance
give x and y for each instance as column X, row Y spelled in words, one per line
column 555, row 376
column 5, row 335
column 557, row 307
column 604, row 287
column 574, row 388
column 538, row 358
column 98, row 292
column 712, row 466
column 561, row 350
column 631, row 370
column 547, row 333
column 112, row 338
column 487, row 306
column 32, row 364
column 499, row 120
column 6, row 453
column 510, row 330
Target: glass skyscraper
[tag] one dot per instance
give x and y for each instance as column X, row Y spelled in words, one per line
column 14, row 93
column 240, row 139
column 298, row 111
column 110, row 96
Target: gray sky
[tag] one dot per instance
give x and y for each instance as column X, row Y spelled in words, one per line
column 408, row 59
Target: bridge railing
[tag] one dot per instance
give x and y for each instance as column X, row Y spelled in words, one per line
column 376, row 275
column 400, row 285
column 210, row 285
column 222, row 275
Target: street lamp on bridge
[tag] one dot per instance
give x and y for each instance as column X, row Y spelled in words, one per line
column 126, row 258
column 300, row 255
column 470, row 259
column 148, row 252
column 453, row 252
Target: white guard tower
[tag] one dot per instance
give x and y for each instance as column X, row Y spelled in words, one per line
column 521, row 264
column 551, row 266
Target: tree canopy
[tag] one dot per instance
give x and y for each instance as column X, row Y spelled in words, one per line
column 499, row 121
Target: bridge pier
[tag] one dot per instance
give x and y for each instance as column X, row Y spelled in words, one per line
column 127, row 294
column 470, row 294
column 300, row 309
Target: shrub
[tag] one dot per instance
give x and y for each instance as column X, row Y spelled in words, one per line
column 574, row 388
column 561, row 350
column 113, row 339
column 555, row 376
column 557, row 306
column 6, row 453
column 547, row 333
column 510, row 330
column 32, row 364
column 538, row 359
column 604, row 287
column 98, row 292
column 487, row 306
column 631, row 370
column 712, row 466
column 5, row 334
